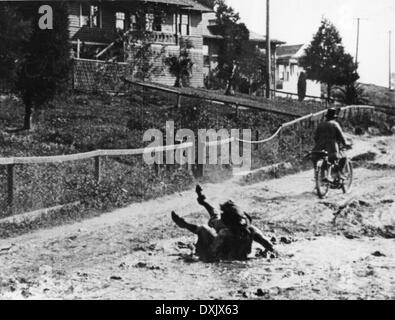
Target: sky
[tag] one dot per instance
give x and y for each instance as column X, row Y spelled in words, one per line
column 296, row 21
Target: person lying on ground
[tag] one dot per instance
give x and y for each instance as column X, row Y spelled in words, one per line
column 228, row 236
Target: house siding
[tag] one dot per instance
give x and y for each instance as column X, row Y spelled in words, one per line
column 105, row 34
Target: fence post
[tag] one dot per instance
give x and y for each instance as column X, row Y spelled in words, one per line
column 97, row 169
column 198, row 169
column 178, row 106
column 10, row 186
column 190, row 161
column 143, row 95
column 78, row 48
column 256, row 139
column 300, row 133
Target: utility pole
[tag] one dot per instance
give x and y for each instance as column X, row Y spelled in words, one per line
column 268, row 51
column 356, row 54
column 389, row 64
column 358, row 28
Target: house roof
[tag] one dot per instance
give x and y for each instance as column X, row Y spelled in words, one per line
column 187, row 4
column 256, row 37
column 288, row 52
column 209, row 32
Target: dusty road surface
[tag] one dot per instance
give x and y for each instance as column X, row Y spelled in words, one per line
column 342, row 247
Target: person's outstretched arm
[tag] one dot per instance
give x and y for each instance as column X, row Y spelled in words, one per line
column 202, row 201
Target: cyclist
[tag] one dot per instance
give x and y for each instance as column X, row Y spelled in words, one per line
column 328, row 137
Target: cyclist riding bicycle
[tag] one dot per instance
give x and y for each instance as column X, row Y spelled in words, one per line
column 328, row 137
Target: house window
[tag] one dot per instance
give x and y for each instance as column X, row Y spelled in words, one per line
column 120, row 20
column 206, row 56
column 94, row 16
column 84, row 15
column 157, row 22
column 292, row 69
column 281, row 72
column 184, row 25
column 149, row 21
column 133, row 22
column 153, row 22
column 89, row 15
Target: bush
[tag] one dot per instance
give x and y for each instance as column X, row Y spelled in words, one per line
column 352, row 94
column 181, row 66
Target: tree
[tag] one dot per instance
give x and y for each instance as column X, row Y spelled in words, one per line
column 14, row 32
column 235, row 35
column 325, row 59
column 252, row 66
column 45, row 69
column 302, row 86
column 181, row 65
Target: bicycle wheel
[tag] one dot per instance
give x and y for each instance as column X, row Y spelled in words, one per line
column 348, row 174
column 321, row 180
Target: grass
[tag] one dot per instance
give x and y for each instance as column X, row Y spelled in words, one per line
column 79, row 123
column 287, row 105
column 378, row 95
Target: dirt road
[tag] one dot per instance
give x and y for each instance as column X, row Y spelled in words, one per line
column 342, row 247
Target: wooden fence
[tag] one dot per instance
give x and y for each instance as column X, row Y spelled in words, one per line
column 11, row 162
column 215, row 99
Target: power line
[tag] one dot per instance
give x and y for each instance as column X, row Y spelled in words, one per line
column 268, row 51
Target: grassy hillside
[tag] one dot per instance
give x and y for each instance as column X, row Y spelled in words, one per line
column 378, row 95
column 80, row 123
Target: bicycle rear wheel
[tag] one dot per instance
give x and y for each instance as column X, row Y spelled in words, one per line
column 349, row 176
column 321, row 180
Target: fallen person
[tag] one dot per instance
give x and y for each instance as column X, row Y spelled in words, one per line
column 228, row 236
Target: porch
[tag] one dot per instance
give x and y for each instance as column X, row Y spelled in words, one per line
column 96, row 26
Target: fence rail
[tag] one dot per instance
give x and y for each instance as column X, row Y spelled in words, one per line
column 216, row 100
column 11, row 162
column 296, row 95
column 384, row 108
column 301, row 119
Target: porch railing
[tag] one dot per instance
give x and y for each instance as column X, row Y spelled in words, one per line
column 158, row 37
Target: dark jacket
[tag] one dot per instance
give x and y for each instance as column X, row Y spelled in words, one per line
column 327, row 137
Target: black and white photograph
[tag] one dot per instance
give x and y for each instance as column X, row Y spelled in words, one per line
column 230, row 151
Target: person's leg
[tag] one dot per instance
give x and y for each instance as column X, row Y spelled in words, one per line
column 183, row 224
column 342, row 165
column 206, row 237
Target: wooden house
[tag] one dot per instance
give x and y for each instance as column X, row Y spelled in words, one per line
column 94, row 26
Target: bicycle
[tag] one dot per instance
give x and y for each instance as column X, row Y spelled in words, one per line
column 327, row 175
